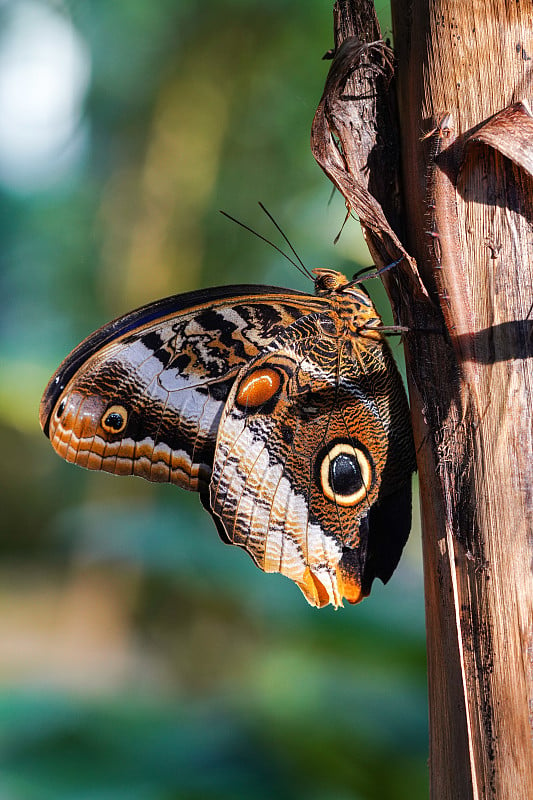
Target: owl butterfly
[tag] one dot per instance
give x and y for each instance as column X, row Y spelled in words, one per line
column 284, row 410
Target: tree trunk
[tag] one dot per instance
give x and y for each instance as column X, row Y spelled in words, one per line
column 461, row 223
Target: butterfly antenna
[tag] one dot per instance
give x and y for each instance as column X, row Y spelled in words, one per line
column 359, row 277
column 299, row 266
column 304, row 269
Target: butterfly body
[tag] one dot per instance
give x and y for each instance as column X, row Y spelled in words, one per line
column 284, row 411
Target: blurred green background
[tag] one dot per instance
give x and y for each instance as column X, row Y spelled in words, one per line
column 140, row 657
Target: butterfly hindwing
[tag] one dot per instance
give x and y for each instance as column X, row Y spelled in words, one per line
column 298, row 467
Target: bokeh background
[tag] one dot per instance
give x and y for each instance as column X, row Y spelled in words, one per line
column 140, row 657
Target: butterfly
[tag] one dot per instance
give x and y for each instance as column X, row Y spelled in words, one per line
column 284, row 410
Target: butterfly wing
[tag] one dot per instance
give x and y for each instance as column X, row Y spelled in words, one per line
column 313, row 460
column 296, row 437
column 144, row 394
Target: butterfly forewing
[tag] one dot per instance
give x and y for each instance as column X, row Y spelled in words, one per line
column 284, row 410
column 169, row 377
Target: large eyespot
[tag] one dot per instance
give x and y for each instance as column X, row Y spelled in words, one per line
column 258, row 388
column 345, row 474
column 114, row 420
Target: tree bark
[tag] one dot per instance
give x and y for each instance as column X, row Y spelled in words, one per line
column 460, row 223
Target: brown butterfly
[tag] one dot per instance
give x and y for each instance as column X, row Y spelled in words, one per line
column 284, row 410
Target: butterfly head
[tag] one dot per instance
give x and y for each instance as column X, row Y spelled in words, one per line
column 328, row 281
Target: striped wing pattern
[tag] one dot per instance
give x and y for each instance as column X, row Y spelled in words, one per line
column 283, row 410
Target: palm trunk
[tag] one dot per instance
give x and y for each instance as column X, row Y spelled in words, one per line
column 461, row 223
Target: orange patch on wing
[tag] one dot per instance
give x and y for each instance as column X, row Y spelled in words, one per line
column 258, row 387
column 351, row 588
column 344, row 586
column 314, row 590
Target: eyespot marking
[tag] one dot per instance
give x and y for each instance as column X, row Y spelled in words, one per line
column 114, row 419
column 258, row 387
column 61, row 408
column 345, row 474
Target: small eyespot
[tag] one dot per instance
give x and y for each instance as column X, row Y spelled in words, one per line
column 114, row 420
column 345, row 474
column 61, row 408
column 258, row 388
